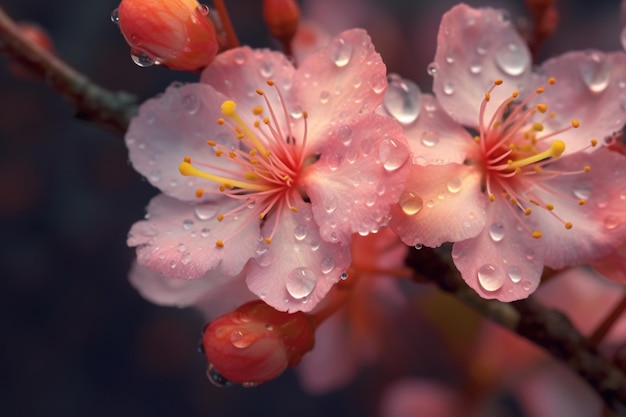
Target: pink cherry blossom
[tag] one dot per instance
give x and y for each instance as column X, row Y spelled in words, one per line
column 528, row 186
column 280, row 166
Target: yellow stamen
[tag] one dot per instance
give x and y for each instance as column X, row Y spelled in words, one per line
column 219, row 243
column 498, row 82
column 257, row 110
column 594, row 142
column 568, row 225
column 187, row 170
column 229, row 109
column 268, row 240
column 586, row 168
column 211, row 143
column 551, row 80
column 536, row 234
column 199, row 192
column 556, row 149
column 550, row 206
column 542, row 107
column 575, row 123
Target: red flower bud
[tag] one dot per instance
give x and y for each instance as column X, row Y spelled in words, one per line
column 281, row 18
column 255, row 343
column 174, row 33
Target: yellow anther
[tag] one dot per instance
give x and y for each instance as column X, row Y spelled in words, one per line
column 551, row 80
column 527, row 211
column 228, row 108
column 221, row 121
column 270, row 83
column 294, row 209
column 514, row 94
column 220, row 217
column 199, row 192
column 222, row 188
column 219, row 152
column 476, row 139
column 211, row 143
column 256, row 123
column 542, row 107
column 534, row 202
column 187, row 159
column 257, row 110
column 492, row 197
column 536, row 234
column 252, row 152
column 268, row 240
column 487, row 96
column 305, row 114
column 568, row 225
column 586, row 168
column 594, row 142
column 540, row 90
column 552, row 115
column 232, row 154
column 251, row 176
column 512, row 201
column 286, row 178
column 261, row 216
column 266, row 120
column 254, row 161
column 498, row 82
column 550, row 206
column 537, row 127
column 575, row 123
column 259, row 91
column 240, row 136
column 581, row 202
column 219, row 243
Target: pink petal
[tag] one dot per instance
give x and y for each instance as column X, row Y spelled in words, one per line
column 474, row 48
column 344, row 79
column 299, row 267
column 436, row 139
column 591, row 87
column 169, row 128
column 178, row 239
column 502, row 262
column 613, row 265
column 440, row 204
column 417, row 397
column 360, row 174
column 598, row 225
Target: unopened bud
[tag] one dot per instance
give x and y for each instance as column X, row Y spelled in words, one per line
column 281, row 18
column 174, row 33
column 256, row 343
column 36, row 35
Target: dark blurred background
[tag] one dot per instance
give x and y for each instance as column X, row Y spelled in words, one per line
column 77, row 340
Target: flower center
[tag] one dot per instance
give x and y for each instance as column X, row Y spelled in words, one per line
column 517, row 154
column 263, row 170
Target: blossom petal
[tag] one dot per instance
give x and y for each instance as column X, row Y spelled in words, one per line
column 590, row 87
column 299, row 267
column 503, row 261
column 346, row 78
column 171, row 127
column 474, row 48
column 440, row 204
column 179, row 239
column 360, row 174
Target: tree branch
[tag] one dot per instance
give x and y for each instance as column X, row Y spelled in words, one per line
column 93, row 103
column 547, row 328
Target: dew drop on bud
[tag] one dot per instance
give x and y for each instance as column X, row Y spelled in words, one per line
column 216, row 378
column 490, row 277
column 301, row 282
column 141, row 59
column 203, row 9
column 403, row 99
column 115, row 18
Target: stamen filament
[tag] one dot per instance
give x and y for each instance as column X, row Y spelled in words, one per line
column 187, row 169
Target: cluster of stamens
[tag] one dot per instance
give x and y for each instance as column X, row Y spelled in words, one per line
column 265, row 165
column 515, row 153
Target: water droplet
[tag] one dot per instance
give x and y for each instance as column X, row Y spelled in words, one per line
column 611, row 222
column 330, row 204
column 340, row 52
column 449, row 55
column 448, row 88
column 392, row 155
column 410, row 202
column 300, row 232
column 186, row 258
column 490, row 277
column 403, row 100
column 187, row 224
column 429, row 139
column 300, row 282
column 596, row 73
column 115, row 18
column 238, row 339
column 141, row 58
column 582, row 191
column 155, row 176
column 327, row 264
column 496, row 232
column 333, row 160
column 191, row 104
column 343, row 276
column 216, row 378
column 182, row 247
column 430, row 204
column 239, row 58
column 205, row 211
column 418, row 246
column 526, row 285
column 149, row 231
column 475, row 68
column 432, row 69
column 481, row 47
column 267, row 69
column 515, row 274
column 324, row 97
column 454, row 185
column 512, row 59
column 378, row 83
column 173, row 264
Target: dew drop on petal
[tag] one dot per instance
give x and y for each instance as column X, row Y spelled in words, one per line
column 392, row 155
column 327, row 264
column 182, row 247
column 239, row 58
column 490, row 277
column 187, row 224
column 333, row 160
column 582, row 191
column 205, row 211
column 429, row 139
column 526, row 285
column 403, row 100
column 475, row 68
column 515, row 274
column 611, row 222
column 324, row 97
column 454, row 185
column 267, row 69
column 512, row 59
column 300, row 232
column 448, row 88
column 216, row 378
column 496, row 232
column 141, row 58
column 432, row 69
column 186, row 258
column 191, row 104
column 596, row 73
column 340, row 52
column 205, row 232
column 300, row 282
column 410, row 202
column 378, row 83
column 330, row 204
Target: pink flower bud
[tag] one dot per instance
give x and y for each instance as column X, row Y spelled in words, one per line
column 174, row 33
column 281, row 18
column 256, row 343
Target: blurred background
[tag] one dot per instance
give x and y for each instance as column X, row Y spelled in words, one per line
column 77, row 339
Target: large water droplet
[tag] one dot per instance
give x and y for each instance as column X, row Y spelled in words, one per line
column 392, row 154
column 403, row 99
column 515, row 273
column 496, row 232
column 205, row 211
column 115, row 18
column 216, row 378
column 301, row 282
column 410, row 202
column 491, row 277
column 512, row 59
column 596, row 72
column 141, row 58
column 327, row 264
column 340, row 52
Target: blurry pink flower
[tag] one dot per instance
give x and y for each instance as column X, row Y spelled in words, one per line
column 287, row 175
column 524, row 189
column 355, row 334
column 414, row 397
